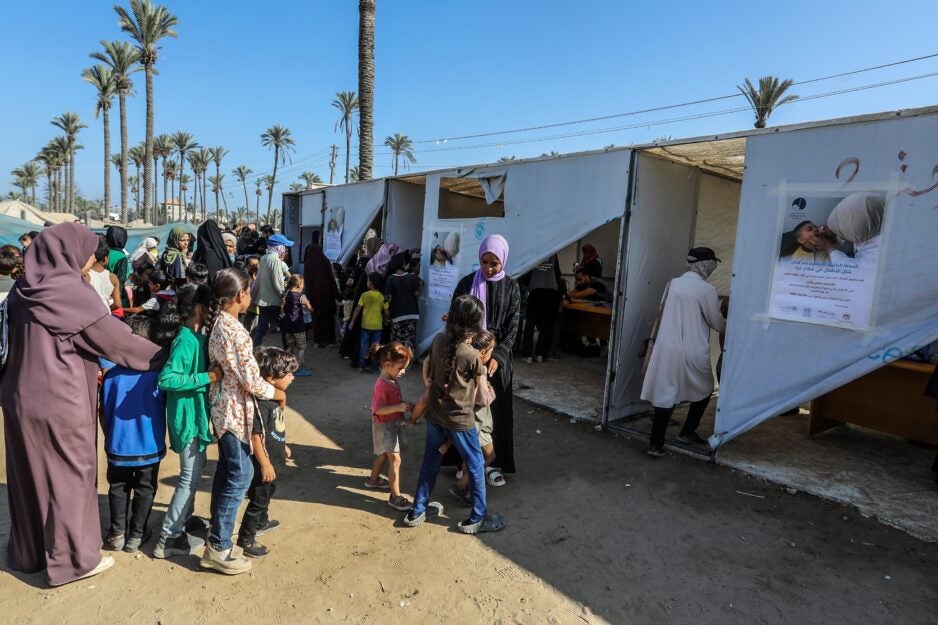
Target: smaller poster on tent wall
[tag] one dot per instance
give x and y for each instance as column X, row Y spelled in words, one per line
column 444, row 264
column 828, row 259
column 332, row 241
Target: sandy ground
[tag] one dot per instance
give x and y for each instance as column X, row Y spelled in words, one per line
column 597, row 533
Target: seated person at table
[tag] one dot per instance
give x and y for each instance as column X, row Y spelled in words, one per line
column 589, row 288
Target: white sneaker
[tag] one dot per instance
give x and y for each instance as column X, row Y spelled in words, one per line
column 224, row 561
column 105, row 563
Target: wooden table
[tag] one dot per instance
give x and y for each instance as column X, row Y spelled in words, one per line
column 888, row 400
column 585, row 319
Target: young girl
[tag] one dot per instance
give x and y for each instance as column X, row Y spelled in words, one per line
column 293, row 325
column 402, row 289
column 387, row 419
column 230, row 346
column 185, row 379
column 452, row 370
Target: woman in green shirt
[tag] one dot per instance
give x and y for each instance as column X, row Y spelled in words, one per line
column 116, row 239
column 185, row 379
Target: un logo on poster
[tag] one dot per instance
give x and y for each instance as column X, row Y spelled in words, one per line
column 480, row 230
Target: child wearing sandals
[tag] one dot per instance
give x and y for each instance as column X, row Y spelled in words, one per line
column 453, row 369
column 387, row 420
column 483, row 342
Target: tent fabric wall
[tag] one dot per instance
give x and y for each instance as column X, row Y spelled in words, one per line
column 659, row 232
column 404, row 217
column 771, row 367
column 548, row 205
column 362, row 202
column 311, row 208
column 717, row 216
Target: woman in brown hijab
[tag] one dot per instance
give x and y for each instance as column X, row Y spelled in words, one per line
column 57, row 330
column 322, row 292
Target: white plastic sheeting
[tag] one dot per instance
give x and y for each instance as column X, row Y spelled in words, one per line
column 362, row 202
column 659, row 233
column 770, row 366
column 404, row 218
column 548, row 205
column 311, row 208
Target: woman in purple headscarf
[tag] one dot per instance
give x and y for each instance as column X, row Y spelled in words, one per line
column 57, row 330
column 501, row 297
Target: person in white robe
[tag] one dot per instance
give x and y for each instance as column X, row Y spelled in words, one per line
column 679, row 369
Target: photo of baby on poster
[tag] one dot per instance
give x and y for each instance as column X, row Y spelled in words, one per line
column 828, row 259
column 444, row 264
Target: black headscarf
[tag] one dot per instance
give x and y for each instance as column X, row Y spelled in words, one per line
column 210, row 249
column 116, row 237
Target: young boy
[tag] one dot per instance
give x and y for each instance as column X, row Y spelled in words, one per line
column 373, row 309
column 134, row 423
column 104, row 282
column 268, row 450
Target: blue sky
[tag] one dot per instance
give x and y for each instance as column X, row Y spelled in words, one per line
column 446, row 69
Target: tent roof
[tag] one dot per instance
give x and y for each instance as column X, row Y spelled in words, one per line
column 17, row 205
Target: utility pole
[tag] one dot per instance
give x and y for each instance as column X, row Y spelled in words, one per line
column 335, row 151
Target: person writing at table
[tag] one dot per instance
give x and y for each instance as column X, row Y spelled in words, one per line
column 589, row 288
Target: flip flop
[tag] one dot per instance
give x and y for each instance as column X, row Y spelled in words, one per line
column 381, row 484
column 491, row 523
column 494, row 477
column 463, row 495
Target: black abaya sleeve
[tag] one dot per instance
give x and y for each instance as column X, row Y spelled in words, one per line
column 508, row 330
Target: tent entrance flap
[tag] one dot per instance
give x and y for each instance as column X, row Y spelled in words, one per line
column 349, row 210
column 658, row 234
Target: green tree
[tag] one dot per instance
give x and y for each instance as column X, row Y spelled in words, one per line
column 162, row 149
column 277, row 137
column 137, row 156
column 767, row 97
column 170, row 173
column 347, row 103
column 242, row 172
column 310, row 178
column 101, row 77
column 259, row 181
column 353, row 175
column 198, row 163
column 147, row 24
column 49, row 158
column 296, row 187
column 366, row 87
column 71, row 125
column 184, row 143
column 401, row 146
column 122, row 58
column 28, row 174
column 218, row 153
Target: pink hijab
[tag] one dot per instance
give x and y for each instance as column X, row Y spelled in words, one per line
column 382, row 259
column 497, row 245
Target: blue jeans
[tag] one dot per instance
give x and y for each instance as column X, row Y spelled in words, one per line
column 368, row 338
column 267, row 315
column 232, row 477
column 467, row 444
column 191, row 463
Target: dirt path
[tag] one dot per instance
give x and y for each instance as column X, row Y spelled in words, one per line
column 597, row 533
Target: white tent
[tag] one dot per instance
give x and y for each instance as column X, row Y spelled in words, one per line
column 773, row 365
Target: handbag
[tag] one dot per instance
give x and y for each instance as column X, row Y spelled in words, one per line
column 648, row 344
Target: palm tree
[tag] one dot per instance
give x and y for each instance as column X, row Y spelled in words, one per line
column 217, row 182
column 506, row 159
column 353, row 175
column 296, row 187
column 23, row 184
column 28, row 173
column 71, row 125
column 279, row 138
column 147, row 26
column 163, row 148
column 269, row 182
column 184, row 180
column 400, row 146
column 205, row 157
column 61, row 149
column 134, row 182
column 217, row 153
column 366, row 86
column 555, row 153
column 767, row 97
column 347, row 103
column 184, row 142
column 196, row 164
column 137, row 156
column 170, row 173
column 259, row 181
column 101, row 77
column 122, row 58
column 48, row 158
column 242, row 172
column 310, row 178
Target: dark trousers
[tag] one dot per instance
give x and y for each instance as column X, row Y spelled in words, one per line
column 542, row 313
column 255, row 515
column 267, row 316
column 131, row 490
column 503, row 423
column 662, row 415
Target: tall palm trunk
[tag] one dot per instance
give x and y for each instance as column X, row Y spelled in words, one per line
column 257, row 206
column 63, row 206
column 105, row 111
column 273, row 181
column 49, row 189
column 137, row 194
column 366, row 87
column 156, row 202
column 122, row 99
column 245, row 185
column 148, row 147
column 396, row 156
column 165, row 197
column 71, row 177
column 195, row 193
column 34, row 193
column 204, row 196
column 59, row 190
column 173, row 190
column 217, row 190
